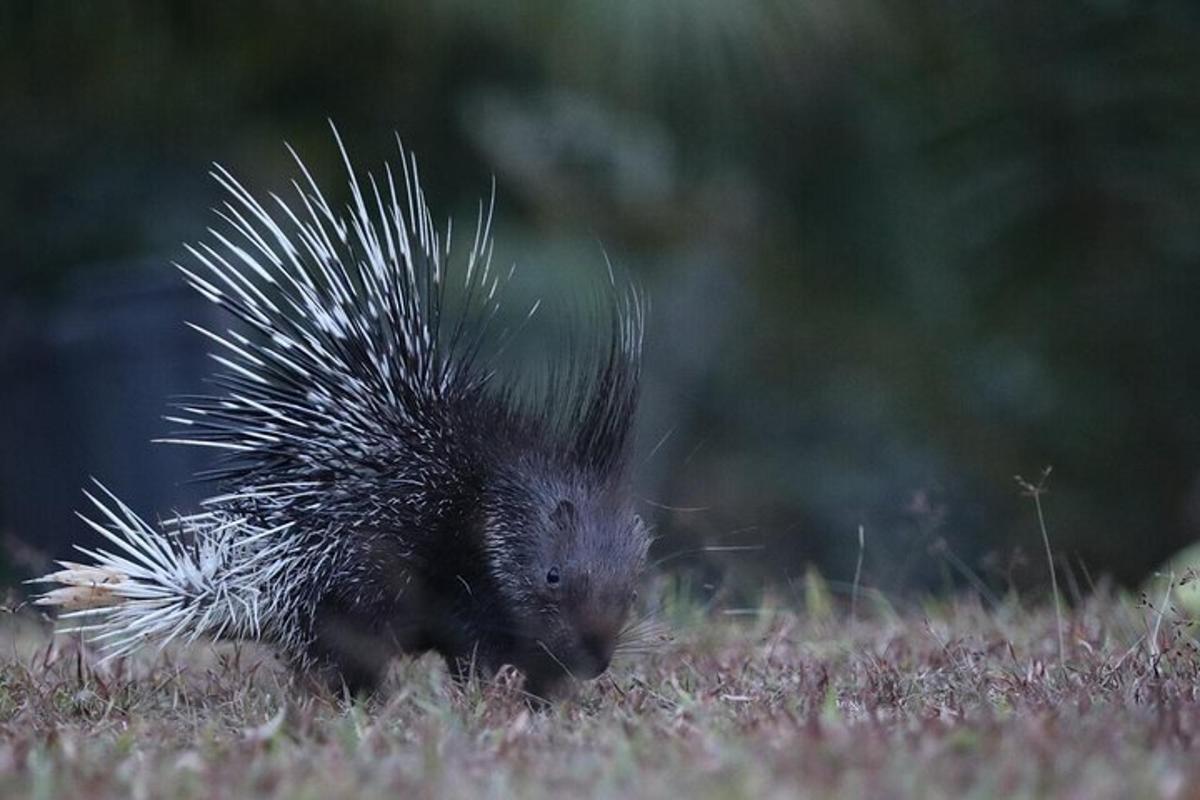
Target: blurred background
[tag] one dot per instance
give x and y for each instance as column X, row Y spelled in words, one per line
column 898, row 252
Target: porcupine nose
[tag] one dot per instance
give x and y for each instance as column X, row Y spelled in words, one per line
column 598, row 649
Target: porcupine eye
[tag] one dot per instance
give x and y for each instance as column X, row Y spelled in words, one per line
column 563, row 517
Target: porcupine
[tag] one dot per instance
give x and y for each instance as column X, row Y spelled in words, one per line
column 380, row 489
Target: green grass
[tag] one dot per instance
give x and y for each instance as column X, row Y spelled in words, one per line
column 952, row 700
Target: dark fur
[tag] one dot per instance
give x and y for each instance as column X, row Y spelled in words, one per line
column 459, row 565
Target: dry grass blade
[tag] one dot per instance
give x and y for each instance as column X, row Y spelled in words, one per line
column 953, row 700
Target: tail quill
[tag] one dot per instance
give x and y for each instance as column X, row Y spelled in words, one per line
column 83, row 587
column 194, row 575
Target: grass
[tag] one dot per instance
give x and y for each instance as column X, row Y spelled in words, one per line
column 952, row 700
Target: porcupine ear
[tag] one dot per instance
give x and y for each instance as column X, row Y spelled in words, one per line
column 563, row 515
column 608, row 403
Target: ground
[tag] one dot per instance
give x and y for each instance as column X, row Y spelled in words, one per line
column 940, row 700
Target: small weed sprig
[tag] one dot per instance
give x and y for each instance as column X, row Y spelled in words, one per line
column 1030, row 489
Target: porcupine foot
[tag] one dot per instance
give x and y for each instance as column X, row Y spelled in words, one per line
column 538, row 689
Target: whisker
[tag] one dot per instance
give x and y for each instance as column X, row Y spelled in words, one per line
column 681, row 509
column 642, row 636
column 730, row 548
column 550, row 653
column 661, row 442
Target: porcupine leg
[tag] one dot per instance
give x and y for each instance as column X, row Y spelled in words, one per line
column 350, row 655
column 355, row 676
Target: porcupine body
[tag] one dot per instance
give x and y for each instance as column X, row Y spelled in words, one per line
column 381, row 490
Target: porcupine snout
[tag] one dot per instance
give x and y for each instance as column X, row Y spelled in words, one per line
column 597, row 649
column 596, row 625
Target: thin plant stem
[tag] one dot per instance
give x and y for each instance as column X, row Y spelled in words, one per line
column 1162, row 612
column 857, row 575
column 1036, row 493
